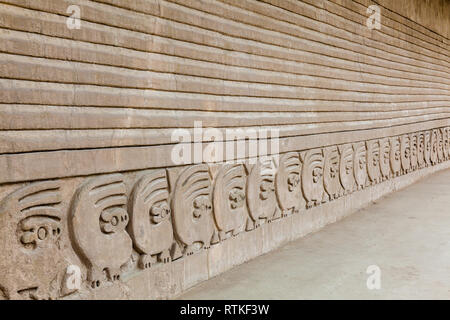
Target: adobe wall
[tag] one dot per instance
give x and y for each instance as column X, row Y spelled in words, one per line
column 89, row 188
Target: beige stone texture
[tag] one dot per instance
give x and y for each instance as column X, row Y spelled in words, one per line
column 89, row 191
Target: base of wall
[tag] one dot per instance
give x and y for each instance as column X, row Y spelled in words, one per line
column 165, row 281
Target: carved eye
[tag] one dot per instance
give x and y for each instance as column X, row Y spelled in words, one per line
column 113, row 220
column 317, row 174
column 42, row 233
column 293, row 181
column 361, row 163
column 407, row 152
column 37, row 230
column 201, row 206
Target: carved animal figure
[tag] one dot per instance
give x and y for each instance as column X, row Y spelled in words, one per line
column 346, row 168
column 360, row 164
column 288, row 183
column 192, row 208
column 97, row 223
column 446, row 142
column 405, row 152
column 434, row 147
column 373, row 161
column 385, row 150
column 312, row 177
column 331, row 172
column 395, row 156
column 427, row 149
column 30, row 229
column 150, row 218
column 440, row 145
column 420, row 150
column 229, row 201
column 261, row 198
column 414, row 151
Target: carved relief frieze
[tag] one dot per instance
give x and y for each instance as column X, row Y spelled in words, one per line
column 168, row 213
column 98, row 219
column 346, row 171
column 395, row 156
column 360, row 164
column 373, row 161
column 150, row 218
column 192, row 208
column 312, row 177
column 230, row 212
column 261, row 197
column 288, row 184
column 385, row 151
column 30, row 231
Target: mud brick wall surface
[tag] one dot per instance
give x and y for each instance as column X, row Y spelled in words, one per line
column 88, row 187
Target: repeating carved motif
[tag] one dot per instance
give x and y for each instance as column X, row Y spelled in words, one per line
column 288, row 183
column 359, row 164
column 414, row 151
column 261, row 197
column 331, row 172
column 373, row 161
column 395, row 156
column 194, row 211
column 312, row 177
column 30, row 229
column 434, row 147
column 427, row 149
column 445, row 142
column 150, row 218
column 405, row 152
column 346, row 168
column 440, row 146
column 385, row 151
column 420, row 149
column 229, row 200
column 192, row 208
column 97, row 222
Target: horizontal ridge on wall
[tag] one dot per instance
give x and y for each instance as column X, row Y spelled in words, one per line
column 125, row 222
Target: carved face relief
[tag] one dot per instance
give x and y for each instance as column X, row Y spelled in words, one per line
column 98, row 221
column 192, row 206
column 405, row 150
column 37, row 231
column 288, row 182
column 414, row 151
column 293, row 181
column 420, row 149
column 395, row 155
column 427, row 149
column 261, row 197
column 448, row 139
column 237, row 198
column 385, row 150
column 113, row 220
column 202, row 206
column 434, row 147
column 229, row 198
column 346, row 167
column 159, row 212
column 150, row 215
column 446, row 142
column 266, row 188
column 312, row 175
column 440, row 145
column 331, row 172
column 360, row 169
column 373, row 160
column 30, row 230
